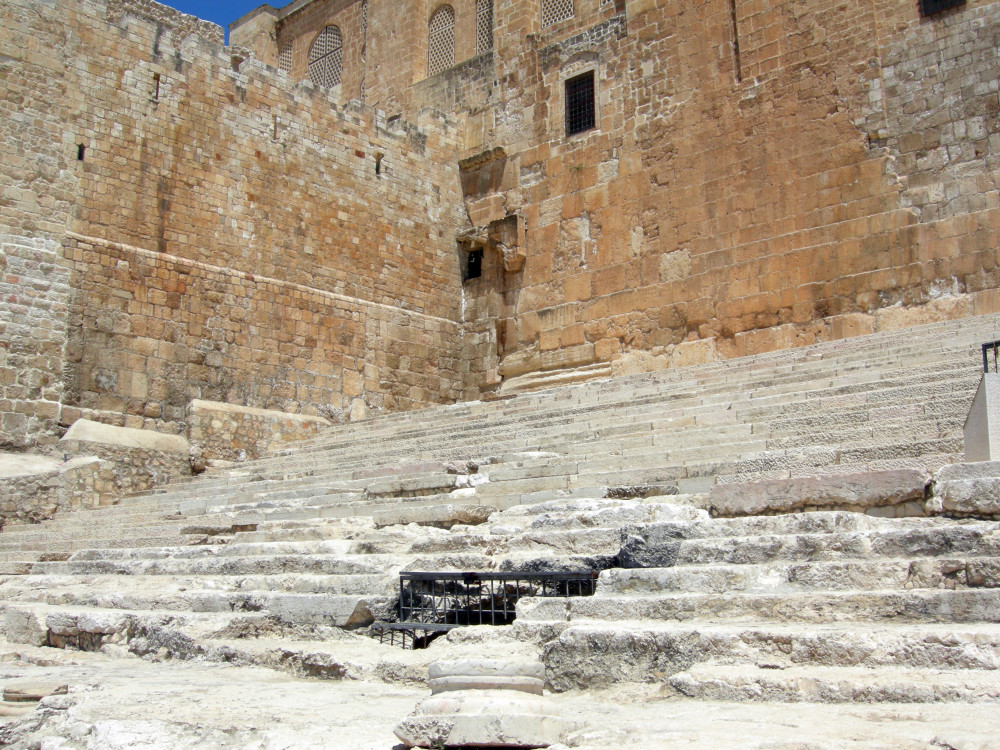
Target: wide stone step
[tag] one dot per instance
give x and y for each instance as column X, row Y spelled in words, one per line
column 923, row 605
column 336, row 610
column 837, row 685
column 837, row 576
column 664, row 547
column 30, row 588
column 328, row 564
column 595, row 655
column 605, row 541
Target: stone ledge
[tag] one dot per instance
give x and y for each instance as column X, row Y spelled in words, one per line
column 864, row 492
column 85, row 431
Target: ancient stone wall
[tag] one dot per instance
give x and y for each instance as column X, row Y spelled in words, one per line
column 798, row 172
column 227, row 233
column 34, row 287
column 34, row 496
column 150, row 332
column 236, row 433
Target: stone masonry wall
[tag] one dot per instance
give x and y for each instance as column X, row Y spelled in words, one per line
column 33, row 497
column 34, row 287
column 837, row 176
column 238, row 433
column 241, row 169
column 151, row 332
column 228, row 234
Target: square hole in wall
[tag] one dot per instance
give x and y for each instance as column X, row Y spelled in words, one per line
column 472, row 265
column 930, row 7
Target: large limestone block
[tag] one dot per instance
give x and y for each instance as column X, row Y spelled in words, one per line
column 857, row 492
column 967, row 489
column 442, row 516
column 979, row 498
column 85, row 431
column 481, row 718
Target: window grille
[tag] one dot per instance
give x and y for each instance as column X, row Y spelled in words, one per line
column 285, row 57
column 441, row 40
column 326, row 57
column 484, row 25
column 581, row 112
column 554, row 11
column 930, row 7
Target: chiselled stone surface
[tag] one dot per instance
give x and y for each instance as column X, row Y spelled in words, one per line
column 859, row 492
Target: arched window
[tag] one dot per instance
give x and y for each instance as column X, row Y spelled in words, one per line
column 441, row 40
column 484, row 25
column 285, row 57
column 554, row 11
column 326, row 57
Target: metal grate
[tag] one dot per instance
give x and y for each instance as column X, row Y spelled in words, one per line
column 407, row 634
column 441, row 40
column 484, row 25
column 285, row 57
column 554, row 11
column 992, row 346
column 326, row 57
column 930, row 7
column 481, row 598
column 580, row 110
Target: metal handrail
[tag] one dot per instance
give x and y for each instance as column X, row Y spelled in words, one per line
column 993, row 346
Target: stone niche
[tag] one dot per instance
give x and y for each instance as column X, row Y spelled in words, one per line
column 505, row 237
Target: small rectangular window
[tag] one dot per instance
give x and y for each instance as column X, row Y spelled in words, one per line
column 930, row 7
column 580, row 108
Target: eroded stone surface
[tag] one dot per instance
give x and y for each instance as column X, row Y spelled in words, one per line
column 857, row 492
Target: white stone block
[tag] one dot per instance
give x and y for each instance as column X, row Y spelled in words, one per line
column 982, row 425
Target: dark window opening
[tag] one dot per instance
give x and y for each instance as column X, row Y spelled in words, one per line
column 156, row 86
column 473, row 267
column 930, row 7
column 80, row 151
column 581, row 113
column 378, row 164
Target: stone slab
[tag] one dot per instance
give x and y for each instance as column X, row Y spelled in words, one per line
column 858, row 492
column 86, row 431
column 441, row 516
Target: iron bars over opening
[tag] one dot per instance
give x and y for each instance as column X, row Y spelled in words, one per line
column 482, row 598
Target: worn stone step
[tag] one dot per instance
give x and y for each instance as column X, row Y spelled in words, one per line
column 664, row 547
column 837, row 575
column 335, row 610
column 837, row 685
column 595, row 655
column 115, row 586
column 323, row 564
column 918, row 605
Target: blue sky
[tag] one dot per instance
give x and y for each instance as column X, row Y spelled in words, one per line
column 222, row 12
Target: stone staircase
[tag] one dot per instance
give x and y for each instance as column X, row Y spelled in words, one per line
column 285, row 561
column 821, row 607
